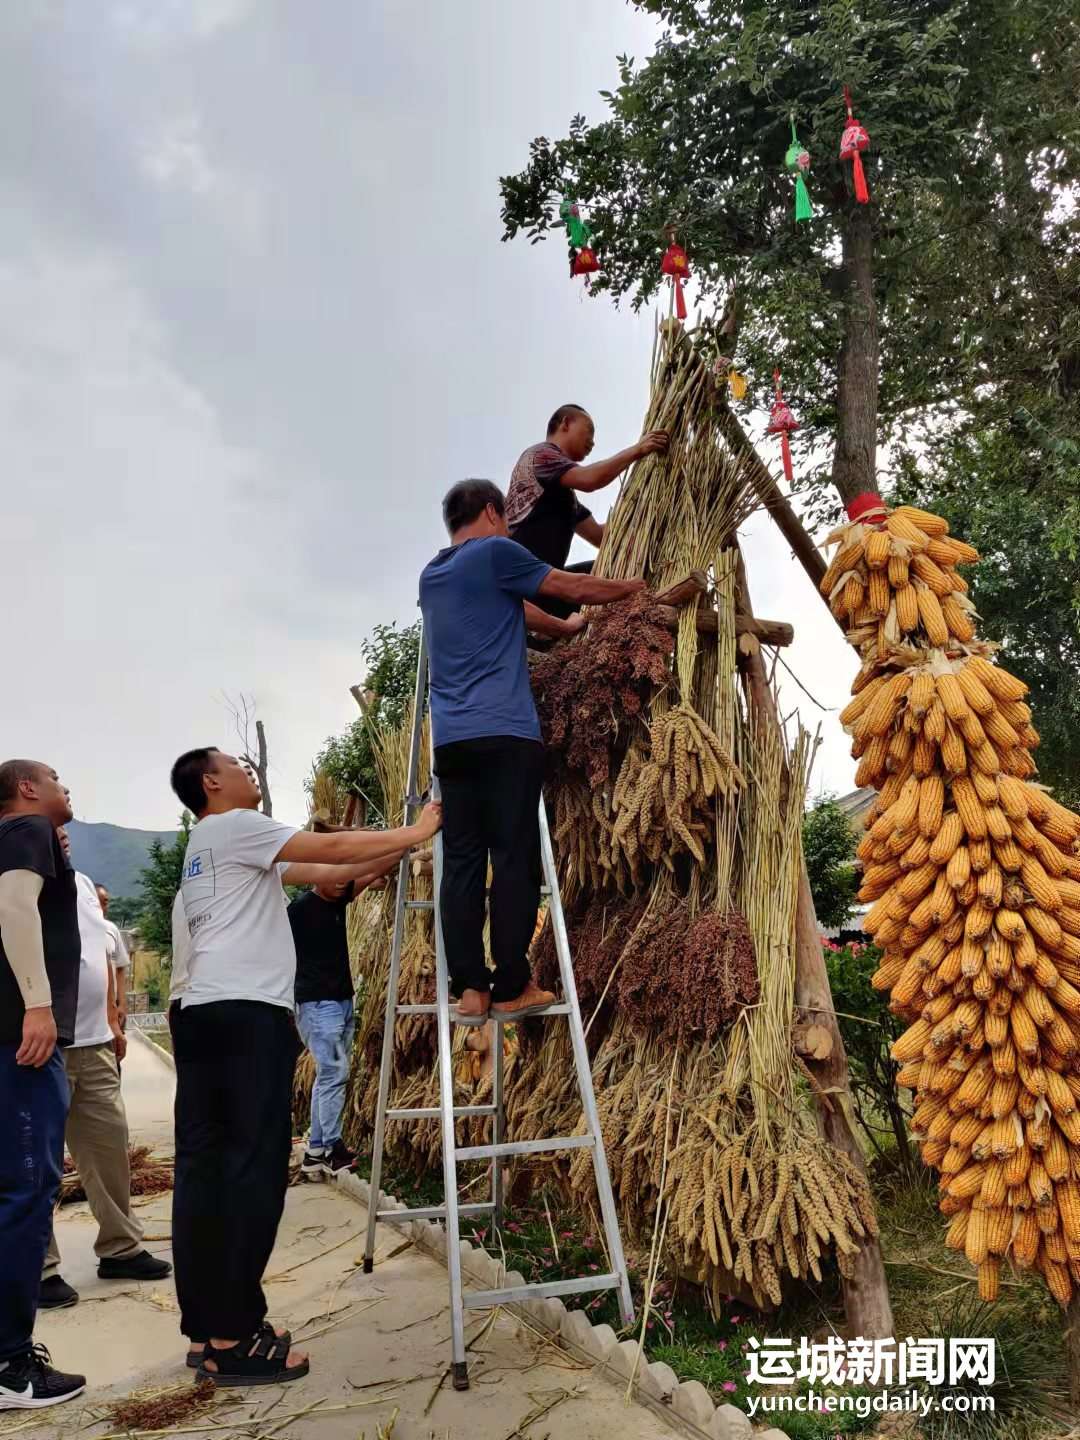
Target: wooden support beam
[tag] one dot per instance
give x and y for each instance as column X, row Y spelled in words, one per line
column 695, row 585
column 866, row 1291
column 767, row 632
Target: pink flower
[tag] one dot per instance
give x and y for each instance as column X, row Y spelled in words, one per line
column 729, row 1387
column 736, row 1319
column 722, row 1345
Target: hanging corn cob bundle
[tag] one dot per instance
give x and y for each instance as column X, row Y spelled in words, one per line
column 974, row 878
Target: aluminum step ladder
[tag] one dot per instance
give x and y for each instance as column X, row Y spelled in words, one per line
column 450, row 1211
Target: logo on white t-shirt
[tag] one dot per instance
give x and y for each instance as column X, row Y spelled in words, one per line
column 198, row 879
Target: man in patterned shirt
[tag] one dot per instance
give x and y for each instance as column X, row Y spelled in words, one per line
column 542, row 506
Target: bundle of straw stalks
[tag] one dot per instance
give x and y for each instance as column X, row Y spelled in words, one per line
column 679, row 847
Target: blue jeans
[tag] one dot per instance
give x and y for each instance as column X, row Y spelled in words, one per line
column 33, row 1110
column 326, row 1028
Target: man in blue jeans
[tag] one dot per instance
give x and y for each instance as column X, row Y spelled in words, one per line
column 40, row 954
column 324, row 1015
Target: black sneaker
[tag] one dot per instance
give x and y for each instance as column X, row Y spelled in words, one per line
column 29, row 1382
column 315, row 1162
column 340, row 1159
column 55, row 1294
column 140, row 1266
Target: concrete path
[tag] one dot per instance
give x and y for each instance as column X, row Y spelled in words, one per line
column 378, row 1343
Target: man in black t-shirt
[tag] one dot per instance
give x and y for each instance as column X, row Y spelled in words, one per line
column 40, row 953
column 324, row 1014
column 543, row 510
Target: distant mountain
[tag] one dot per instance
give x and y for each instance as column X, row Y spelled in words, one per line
column 113, row 855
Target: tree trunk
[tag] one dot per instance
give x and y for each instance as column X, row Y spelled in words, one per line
column 866, row 1291
column 262, row 768
column 855, row 455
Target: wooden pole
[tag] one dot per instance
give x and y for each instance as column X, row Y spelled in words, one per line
column 866, row 1291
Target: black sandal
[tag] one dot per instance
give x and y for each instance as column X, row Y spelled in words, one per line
column 258, row 1361
column 197, row 1353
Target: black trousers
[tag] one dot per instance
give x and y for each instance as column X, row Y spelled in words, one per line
column 234, row 1075
column 563, row 609
column 490, row 797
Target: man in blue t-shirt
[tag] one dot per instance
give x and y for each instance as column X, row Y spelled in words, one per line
column 476, row 597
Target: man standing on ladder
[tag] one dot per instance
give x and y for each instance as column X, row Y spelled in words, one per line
column 476, row 597
column 543, row 508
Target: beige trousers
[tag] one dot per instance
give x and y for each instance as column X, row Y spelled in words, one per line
column 97, row 1139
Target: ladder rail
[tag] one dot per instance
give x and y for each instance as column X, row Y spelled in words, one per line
column 601, row 1172
column 451, row 1210
column 386, row 1060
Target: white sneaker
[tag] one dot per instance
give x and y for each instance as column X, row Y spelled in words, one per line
column 29, row 1382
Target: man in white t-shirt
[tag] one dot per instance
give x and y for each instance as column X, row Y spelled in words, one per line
column 96, row 1133
column 118, row 957
column 235, row 1047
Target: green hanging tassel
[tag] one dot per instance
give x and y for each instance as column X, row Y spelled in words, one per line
column 576, row 228
column 797, row 161
column 803, row 209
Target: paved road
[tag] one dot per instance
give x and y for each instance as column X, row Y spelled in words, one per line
column 378, row 1341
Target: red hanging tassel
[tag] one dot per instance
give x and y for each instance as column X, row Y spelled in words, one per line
column 852, row 142
column 785, row 451
column 676, row 264
column 862, row 194
column 782, row 422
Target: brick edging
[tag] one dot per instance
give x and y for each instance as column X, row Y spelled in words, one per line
column 684, row 1403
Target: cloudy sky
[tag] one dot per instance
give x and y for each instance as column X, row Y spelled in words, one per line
column 256, row 317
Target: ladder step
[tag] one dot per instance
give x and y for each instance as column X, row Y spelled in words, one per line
column 525, row 1147
column 485, row 1299
column 433, row 1112
column 437, row 1212
column 559, row 1008
column 419, row 904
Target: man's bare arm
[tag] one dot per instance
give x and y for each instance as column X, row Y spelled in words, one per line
column 587, row 589
column 361, row 875
column 590, row 530
column 355, row 848
column 588, row 478
column 539, row 622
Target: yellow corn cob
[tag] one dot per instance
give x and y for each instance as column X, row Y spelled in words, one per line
column 981, row 855
column 990, row 886
column 949, row 836
column 876, row 549
column 967, row 804
column 1062, row 1102
column 1066, row 995
column 931, row 805
column 1070, row 1127
column 1055, row 1247
column 1018, row 1164
column 999, row 1230
column 1057, row 1280
column 911, row 1043
column 978, row 922
column 878, row 594
column 992, row 1192
column 924, row 757
column 1009, row 924
column 959, row 868
column 1015, row 711
column 1039, row 1183
column 932, row 576
column 1067, row 1195
column 1050, row 857
column 976, row 1236
column 986, row 757
column 999, row 731
column 933, row 621
column 956, row 1234
column 965, row 1131
column 997, row 1032
column 1037, row 1005
column 1032, row 1075
column 898, row 572
column 1007, row 854
column 1062, row 1038
column 974, row 691
column 952, row 697
column 1025, row 1243
column 901, row 528
column 900, row 745
column 934, row 724
column 907, row 608
column 970, row 727
column 957, row 619
column 953, row 752
column 967, row 1183
column 1024, row 1034
column 985, row 788
column 974, row 1088
column 999, row 682
column 923, row 521
column 1045, row 927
